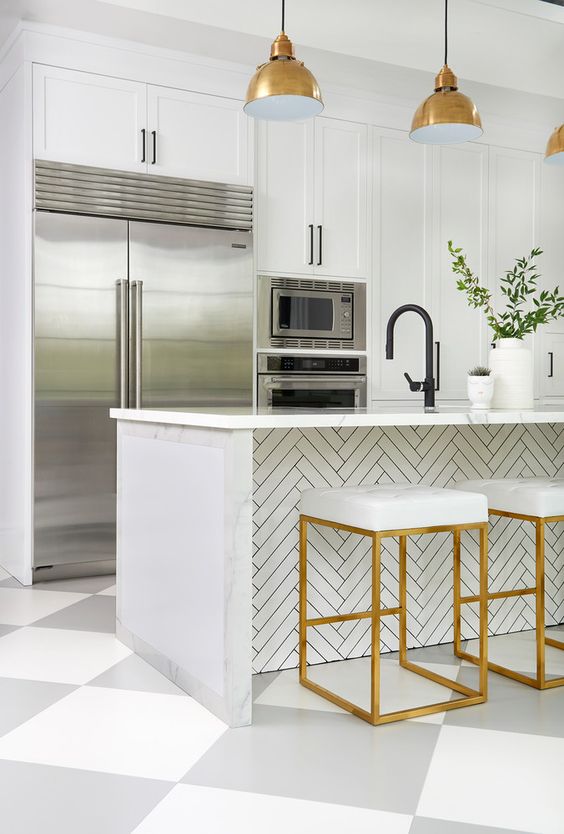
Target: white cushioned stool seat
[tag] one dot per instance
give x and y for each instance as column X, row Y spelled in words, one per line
column 542, row 497
column 394, row 506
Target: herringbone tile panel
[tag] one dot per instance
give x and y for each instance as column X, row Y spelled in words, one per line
column 287, row 461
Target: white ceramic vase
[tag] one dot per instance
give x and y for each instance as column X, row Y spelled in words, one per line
column 511, row 364
column 480, row 391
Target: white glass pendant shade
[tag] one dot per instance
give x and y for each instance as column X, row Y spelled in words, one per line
column 555, row 147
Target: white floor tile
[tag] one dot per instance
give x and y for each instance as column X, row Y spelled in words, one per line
column 22, row 606
column 58, row 655
column 515, row 780
column 350, row 679
column 215, row 811
column 117, row 731
column 517, row 651
column 108, row 592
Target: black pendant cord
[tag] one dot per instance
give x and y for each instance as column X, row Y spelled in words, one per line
column 446, row 31
column 283, row 13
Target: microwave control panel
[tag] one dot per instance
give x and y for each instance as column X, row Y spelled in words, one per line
column 346, row 316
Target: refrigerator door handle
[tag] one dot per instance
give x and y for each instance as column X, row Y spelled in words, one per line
column 121, row 286
column 137, row 290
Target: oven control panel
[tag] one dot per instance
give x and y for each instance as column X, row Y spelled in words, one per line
column 314, row 364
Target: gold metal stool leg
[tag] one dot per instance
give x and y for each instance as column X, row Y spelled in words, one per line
column 303, row 598
column 375, row 631
column 403, row 600
column 539, row 602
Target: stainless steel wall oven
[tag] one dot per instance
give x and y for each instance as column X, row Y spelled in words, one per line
column 311, row 381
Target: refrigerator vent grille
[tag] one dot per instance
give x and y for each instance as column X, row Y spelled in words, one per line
column 81, row 189
column 309, row 284
column 318, row 344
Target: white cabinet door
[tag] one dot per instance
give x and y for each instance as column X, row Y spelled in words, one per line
column 340, row 199
column 88, row 119
column 401, row 215
column 551, row 365
column 198, row 136
column 514, row 190
column 285, row 224
column 460, row 214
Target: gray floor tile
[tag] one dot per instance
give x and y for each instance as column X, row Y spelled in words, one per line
column 429, row 654
column 95, row 613
column 82, row 585
column 21, row 700
column 37, row 799
column 512, row 707
column 134, row 673
column 305, row 754
column 12, row 583
column 260, row 682
column 426, row 825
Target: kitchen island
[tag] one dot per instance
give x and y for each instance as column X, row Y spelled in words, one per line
column 207, row 533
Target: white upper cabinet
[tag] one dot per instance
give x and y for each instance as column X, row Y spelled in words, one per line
column 401, row 215
column 198, row 136
column 551, row 266
column 88, row 119
column 459, row 214
column 340, row 199
column 312, row 198
column 285, row 233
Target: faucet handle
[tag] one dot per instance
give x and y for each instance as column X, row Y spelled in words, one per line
column 413, row 386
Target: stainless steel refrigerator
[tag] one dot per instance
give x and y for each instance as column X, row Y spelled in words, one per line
column 137, row 314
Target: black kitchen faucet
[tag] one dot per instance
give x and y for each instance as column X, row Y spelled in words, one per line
column 428, row 385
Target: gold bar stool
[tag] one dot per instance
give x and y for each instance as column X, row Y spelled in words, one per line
column 540, row 501
column 386, row 511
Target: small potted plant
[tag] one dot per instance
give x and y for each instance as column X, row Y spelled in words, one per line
column 525, row 309
column 480, row 387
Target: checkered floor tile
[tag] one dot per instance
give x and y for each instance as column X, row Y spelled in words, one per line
column 101, row 742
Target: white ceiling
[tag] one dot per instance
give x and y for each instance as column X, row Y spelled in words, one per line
column 516, row 44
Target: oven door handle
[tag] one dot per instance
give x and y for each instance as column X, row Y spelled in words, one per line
column 297, row 378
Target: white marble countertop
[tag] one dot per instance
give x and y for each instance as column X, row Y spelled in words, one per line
column 249, row 418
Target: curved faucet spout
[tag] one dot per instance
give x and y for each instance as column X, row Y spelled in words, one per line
column 428, row 386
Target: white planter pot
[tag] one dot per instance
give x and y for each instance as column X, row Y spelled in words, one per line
column 480, row 391
column 511, row 364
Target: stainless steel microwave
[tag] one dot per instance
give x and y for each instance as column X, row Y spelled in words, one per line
column 307, row 313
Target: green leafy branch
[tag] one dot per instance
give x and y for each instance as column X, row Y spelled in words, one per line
column 526, row 308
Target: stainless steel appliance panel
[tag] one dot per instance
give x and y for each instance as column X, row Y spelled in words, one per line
column 191, row 292
column 80, row 278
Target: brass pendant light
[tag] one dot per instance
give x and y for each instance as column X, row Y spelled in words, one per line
column 555, row 148
column 447, row 116
column 283, row 89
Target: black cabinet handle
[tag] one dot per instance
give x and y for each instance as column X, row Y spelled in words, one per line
column 154, row 135
column 438, row 366
column 144, row 145
column 310, row 227
column 551, row 371
column 320, row 233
